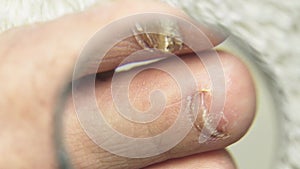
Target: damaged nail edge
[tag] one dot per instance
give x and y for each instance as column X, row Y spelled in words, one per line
column 202, row 121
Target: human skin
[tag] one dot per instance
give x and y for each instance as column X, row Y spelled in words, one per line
column 35, row 61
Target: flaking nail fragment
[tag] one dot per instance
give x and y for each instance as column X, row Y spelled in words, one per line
column 205, row 120
column 168, row 38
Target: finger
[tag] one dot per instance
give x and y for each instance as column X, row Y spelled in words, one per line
column 63, row 39
column 129, row 45
column 238, row 110
column 219, row 159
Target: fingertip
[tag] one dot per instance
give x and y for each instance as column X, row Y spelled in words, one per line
column 240, row 104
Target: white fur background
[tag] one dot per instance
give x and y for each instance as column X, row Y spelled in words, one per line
column 272, row 27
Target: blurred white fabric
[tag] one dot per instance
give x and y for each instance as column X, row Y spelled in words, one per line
column 272, row 27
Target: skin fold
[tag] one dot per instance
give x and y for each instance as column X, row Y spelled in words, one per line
column 35, row 61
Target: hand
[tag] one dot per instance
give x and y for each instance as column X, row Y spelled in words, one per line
column 35, row 61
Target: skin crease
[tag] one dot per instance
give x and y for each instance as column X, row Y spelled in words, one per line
column 35, row 61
